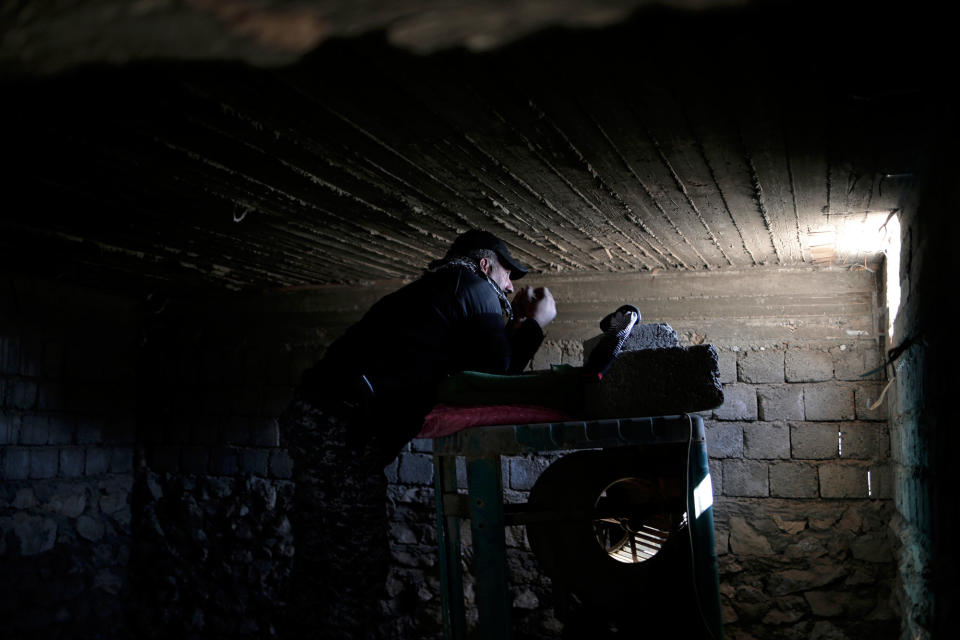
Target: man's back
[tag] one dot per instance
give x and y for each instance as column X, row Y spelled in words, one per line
column 446, row 321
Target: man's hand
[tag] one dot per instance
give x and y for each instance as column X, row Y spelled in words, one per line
column 535, row 303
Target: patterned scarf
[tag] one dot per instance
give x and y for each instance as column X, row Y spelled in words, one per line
column 470, row 265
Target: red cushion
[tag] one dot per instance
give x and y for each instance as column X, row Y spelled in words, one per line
column 445, row 419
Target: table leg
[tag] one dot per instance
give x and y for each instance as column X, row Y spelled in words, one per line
column 448, row 534
column 489, row 546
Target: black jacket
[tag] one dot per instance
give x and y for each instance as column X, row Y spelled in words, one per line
column 444, row 322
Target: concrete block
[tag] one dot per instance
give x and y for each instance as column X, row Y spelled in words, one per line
column 254, row 366
column 728, row 366
column 880, row 482
column 212, row 366
column 98, row 461
column 747, row 478
column 92, row 397
column 44, row 462
column 828, row 402
column 865, row 395
column 646, row 335
column 657, row 382
column 52, row 396
column 246, row 400
column 299, row 361
column 525, row 471
column 89, row 430
column 223, row 461
column 780, row 402
column 281, row 464
column 9, row 427
column 160, row 458
column 275, row 399
column 416, row 468
column 194, row 460
column 234, row 430
column 852, row 362
column 278, row 368
column 61, row 429
column 121, row 459
column 766, row 440
column 72, row 461
column 53, row 359
column 740, row 403
column 840, row 480
column 724, row 439
column 815, row 440
column 83, row 360
column 794, row 480
column 16, row 463
column 808, row 365
column 21, row 394
column 120, row 429
column 206, row 432
column 9, row 353
column 31, row 355
column 255, row 461
column 217, row 400
column 422, row 445
column 757, row 367
column 265, row 432
column 864, row 441
column 233, row 368
column 123, row 396
column 34, row 429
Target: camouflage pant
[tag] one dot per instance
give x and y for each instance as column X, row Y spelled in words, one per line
column 339, row 525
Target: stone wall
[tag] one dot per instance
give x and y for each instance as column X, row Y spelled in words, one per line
column 801, row 470
column 800, row 463
column 213, row 544
column 187, row 503
column 67, row 385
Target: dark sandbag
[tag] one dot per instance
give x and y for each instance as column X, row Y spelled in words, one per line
column 655, row 382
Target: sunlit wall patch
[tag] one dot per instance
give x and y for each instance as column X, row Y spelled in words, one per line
column 891, row 247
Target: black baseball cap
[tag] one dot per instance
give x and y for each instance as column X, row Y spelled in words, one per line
column 480, row 239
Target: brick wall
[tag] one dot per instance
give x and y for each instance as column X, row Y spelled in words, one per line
column 67, row 387
column 200, row 542
column 800, row 467
column 802, row 533
column 213, row 544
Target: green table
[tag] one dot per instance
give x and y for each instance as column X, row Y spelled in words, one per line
column 482, row 448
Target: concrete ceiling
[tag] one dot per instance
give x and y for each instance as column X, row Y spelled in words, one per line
column 659, row 140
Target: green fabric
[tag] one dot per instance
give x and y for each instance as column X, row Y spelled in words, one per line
column 560, row 387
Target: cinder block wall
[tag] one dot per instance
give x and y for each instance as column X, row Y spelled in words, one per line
column 800, row 463
column 68, row 393
column 801, row 536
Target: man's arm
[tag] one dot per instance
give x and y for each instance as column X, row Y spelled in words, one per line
column 484, row 343
column 533, row 309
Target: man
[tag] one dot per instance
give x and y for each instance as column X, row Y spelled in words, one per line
column 368, row 396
